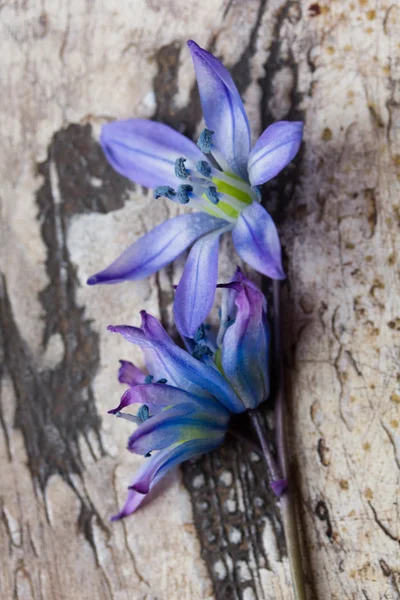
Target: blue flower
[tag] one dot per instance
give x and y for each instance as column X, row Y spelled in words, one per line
column 154, row 155
column 188, row 398
column 244, row 341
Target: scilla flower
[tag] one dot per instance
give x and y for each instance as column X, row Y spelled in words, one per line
column 186, row 401
column 219, row 177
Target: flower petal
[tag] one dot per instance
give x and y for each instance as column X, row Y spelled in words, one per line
column 257, row 242
column 130, row 374
column 189, row 373
column 162, row 395
column 274, row 149
column 154, row 469
column 178, row 454
column 163, row 429
column 196, row 290
column 145, row 151
column 178, row 366
column 244, row 353
column 223, row 109
column 157, row 248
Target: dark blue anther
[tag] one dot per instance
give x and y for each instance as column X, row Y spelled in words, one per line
column 164, row 191
column 162, row 381
column 143, row 413
column 211, row 193
column 147, row 455
column 183, row 193
column 205, row 141
column 200, row 333
column 201, row 350
column 203, row 168
column 149, row 379
column 180, row 170
column 229, row 322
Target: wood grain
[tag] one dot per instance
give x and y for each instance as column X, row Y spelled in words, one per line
column 67, row 67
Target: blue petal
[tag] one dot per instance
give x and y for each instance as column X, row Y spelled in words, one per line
column 244, row 353
column 146, row 151
column 188, row 373
column 223, row 109
column 274, row 149
column 257, row 242
column 196, row 290
column 154, row 469
column 157, row 248
column 162, row 430
column 160, row 396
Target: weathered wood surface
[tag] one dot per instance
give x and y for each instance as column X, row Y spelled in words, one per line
column 66, row 68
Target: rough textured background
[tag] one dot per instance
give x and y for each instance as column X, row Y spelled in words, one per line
column 67, row 67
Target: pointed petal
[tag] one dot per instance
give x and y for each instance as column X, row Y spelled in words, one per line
column 196, row 290
column 189, row 373
column 134, row 335
column 257, row 242
column 157, row 248
column 163, row 395
column 274, row 149
column 178, row 454
column 223, row 109
column 130, row 374
column 154, row 469
column 145, row 151
column 244, row 353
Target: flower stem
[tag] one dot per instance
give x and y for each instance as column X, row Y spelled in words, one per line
column 278, row 471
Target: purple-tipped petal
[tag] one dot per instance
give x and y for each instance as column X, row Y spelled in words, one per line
column 130, row 374
column 146, row 151
column 164, row 395
column 188, row 373
column 156, row 467
column 244, row 352
column 257, row 242
column 223, row 109
column 134, row 335
column 133, row 502
column 177, row 455
column 196, row 290
column 279, row 487
column 178, row 366
column 274, row 149
column 157, row 248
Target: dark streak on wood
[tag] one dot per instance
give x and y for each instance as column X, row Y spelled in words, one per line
column 55, row 407
column 241, row 71
column 165, row 83
column 279, row 193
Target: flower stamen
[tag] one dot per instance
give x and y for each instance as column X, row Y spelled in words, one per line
column 180, row 169
column 164, row 191
column 183, row 192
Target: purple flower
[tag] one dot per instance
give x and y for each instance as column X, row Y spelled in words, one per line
column 185, row 406
column 243, row 340
column 154, row 155
column 186, row 401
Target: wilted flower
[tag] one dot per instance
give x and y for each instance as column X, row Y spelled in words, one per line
column 187, row 399
column 219, row 176
column 243, row 340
